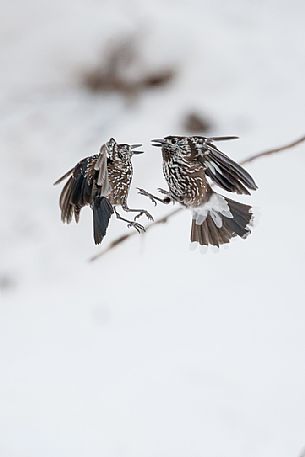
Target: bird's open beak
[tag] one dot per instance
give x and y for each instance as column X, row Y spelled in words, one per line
column 158, row 142
column 134, row 146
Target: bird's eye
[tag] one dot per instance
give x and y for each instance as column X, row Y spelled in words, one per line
column 173, row 141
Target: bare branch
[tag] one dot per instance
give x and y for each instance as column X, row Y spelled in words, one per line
column 120, row 239
column 165, row 218
column 272, row 151
column 110, row 74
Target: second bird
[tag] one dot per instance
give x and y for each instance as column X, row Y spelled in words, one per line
column 188, row 162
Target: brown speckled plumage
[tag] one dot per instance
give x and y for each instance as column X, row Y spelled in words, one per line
column 101, row 181
column 188, row 162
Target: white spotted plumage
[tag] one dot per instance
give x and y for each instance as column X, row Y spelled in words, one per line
column 187, row 164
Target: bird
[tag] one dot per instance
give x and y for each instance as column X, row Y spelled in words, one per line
column 101, row 181
column 188, row 165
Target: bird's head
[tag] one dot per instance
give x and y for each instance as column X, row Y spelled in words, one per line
column 173, row 144
column 111, row 147
column 125, row 151
column 183, row 145
column 121, row 151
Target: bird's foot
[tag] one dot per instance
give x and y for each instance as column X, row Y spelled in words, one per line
column 147, row 214
column 167, row 199
column 152, row 197
column 139, row 228
column 147, row 194
column 162, row 191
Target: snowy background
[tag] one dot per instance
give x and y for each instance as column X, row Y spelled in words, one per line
column 152, row 350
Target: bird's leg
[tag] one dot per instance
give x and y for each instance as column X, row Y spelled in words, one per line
column 139, row 228
column 166, row 200
column 162, row 191
column 139, row 211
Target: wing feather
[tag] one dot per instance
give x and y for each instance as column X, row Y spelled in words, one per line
column 224, row 171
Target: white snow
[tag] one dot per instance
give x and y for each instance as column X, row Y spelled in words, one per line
column 152, row 350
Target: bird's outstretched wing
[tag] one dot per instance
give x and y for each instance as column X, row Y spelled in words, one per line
column 88, row 180
column 224, row 171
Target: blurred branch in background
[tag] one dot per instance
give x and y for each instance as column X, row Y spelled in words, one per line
column 272, row 151
column 119, row 71
column 195, row 123
column 7, row 282
column 164, row 219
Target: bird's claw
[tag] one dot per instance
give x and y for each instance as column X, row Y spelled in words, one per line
column 162, row 191
column 139, row 228
column 147, row 214
column 147, row 194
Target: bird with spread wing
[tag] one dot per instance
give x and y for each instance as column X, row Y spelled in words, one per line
column 188, row 163
column 101, row 181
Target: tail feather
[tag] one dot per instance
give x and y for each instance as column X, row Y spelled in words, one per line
column 235, row 228
column 204, row 235
column 225, row 235
column 242, row 215
column 219, row 220
column 102, row 211
column 213, row 231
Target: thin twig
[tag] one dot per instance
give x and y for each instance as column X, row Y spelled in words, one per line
column 164, row 219
column 272, row 151
column 120, row 239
